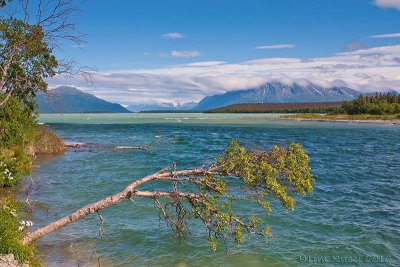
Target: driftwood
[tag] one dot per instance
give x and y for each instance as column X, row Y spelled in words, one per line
column 72, row 145
column 146, row 147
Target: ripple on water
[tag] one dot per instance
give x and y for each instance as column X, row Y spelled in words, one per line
column 354, row 209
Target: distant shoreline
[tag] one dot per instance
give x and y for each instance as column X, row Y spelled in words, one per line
column 319, row 118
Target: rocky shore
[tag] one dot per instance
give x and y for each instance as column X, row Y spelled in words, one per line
column 10, row 261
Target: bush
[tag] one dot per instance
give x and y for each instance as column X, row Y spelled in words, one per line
column 17, row 131
column 14, row 163
column 11, row 233
column 47, row 142
column 17, row 124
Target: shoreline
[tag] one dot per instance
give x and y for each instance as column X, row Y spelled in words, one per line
column 387, row 122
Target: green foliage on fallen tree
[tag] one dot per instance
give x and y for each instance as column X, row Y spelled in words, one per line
column 237, row 175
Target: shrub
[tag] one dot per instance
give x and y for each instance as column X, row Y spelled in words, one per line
column 11, row 233
column 47, row 142
column 14, row 163
column 17, row 130
column 17, row 124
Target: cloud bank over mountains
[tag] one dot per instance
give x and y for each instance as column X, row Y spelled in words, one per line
column 366, row 70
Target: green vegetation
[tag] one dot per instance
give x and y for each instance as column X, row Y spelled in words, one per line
column 47, row 142
column 377, row 104
column 361, row 117
column 19, row 137
column 28, row 36
column 17, row 128
column 277, row 173
column 12, row 231
column 26, row 60
column 374, row 107
column 377, row 107
column 307, row 107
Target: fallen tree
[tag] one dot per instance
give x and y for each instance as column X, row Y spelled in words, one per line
column 209, row 193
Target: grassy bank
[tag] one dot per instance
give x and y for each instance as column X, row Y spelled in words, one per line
column 20, row 140
column 394, row 118
column 12, row 228
column 47, row 142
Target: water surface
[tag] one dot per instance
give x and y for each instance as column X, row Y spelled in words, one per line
column 353, row 212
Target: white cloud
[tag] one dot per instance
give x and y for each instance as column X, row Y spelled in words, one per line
column 176, row 53
column 388, row 35
column 388, row 3
column 172, row 35
column 370, row 69
column 205, row 64
column 278, row 46
column 354, row 45
column 382, row 50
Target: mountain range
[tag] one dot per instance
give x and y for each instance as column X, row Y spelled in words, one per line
column 278, row 93
column 66, row 99
column 71, row 100
column 162, row 106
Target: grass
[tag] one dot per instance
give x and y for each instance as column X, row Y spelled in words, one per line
column 11, row 235
column 47, row 142
column 342, row 117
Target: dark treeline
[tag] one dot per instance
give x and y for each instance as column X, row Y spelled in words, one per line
column 306, row 107
column 376, row 104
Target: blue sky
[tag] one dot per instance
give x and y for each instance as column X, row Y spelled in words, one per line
column 128, row 34
column 143, row 48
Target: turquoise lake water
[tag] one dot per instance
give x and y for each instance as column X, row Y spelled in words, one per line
column 353, row 214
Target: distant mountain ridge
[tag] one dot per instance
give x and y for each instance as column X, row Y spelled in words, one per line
column 66, row 99
column 277, row 92
column 161, row 107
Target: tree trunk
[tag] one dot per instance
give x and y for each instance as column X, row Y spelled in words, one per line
column 127, row 193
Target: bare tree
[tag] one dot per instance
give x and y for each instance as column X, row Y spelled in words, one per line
column 208, row 193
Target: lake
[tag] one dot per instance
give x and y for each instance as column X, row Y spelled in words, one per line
column 353, row 214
